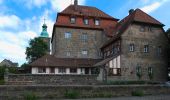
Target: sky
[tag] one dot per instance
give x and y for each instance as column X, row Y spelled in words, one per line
column 21, row 20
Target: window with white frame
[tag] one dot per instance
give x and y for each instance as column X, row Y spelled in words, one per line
column 131, row 47
column 61, row 70
column 86, row 21
column 84, row 52
column 97, row 22
column 146, row 49
column 72, row 20
column 68, row 53
column 114, row 67
column 68, row 35
column 41, row 70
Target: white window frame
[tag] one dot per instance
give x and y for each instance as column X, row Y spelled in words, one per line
column 72, row 20
column 67, row 35
column 131, row 47
column 97, row 22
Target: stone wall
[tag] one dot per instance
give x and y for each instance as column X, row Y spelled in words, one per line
column 54, row 92
column 27, row 79
column 75, row 45
column 130, row 60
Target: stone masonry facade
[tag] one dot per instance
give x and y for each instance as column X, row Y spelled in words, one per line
column 130, row 60
column 75, row 45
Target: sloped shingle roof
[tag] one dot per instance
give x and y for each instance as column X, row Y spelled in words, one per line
column 51, row 61
column 136, row 16
column 86, row 11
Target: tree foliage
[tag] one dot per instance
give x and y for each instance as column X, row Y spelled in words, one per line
column 36, row 49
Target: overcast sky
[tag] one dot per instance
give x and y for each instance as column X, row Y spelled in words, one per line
column 21, row 20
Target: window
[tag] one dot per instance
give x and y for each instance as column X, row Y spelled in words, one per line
column 114, row 67
column 73, row 70
column 142, row 28
column 159, row 50
column 61, row 70
column 131, row 47
column 52, row 70
column 68, row 35
column 84, row 52
column 86, row 21
column 41, row 70
column 68, row 53
column 73, row 20
column 150, row 29
column 84, row 37
column 97, row 22
column 146, row 48
column 150, row 72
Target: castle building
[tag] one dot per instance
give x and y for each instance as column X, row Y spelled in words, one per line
column 85, row 38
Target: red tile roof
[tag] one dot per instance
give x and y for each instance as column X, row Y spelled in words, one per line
column 86, row 11
column 136, row 16
column 51, row 61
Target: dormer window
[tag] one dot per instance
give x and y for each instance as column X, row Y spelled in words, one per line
column 73, row 20
column 97, row 22
column 86, row 21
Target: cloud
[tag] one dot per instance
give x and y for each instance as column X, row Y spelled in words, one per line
column 9, row 21
column 1, row 1
column 153, row 6
column 60, row 5
column 32, row 3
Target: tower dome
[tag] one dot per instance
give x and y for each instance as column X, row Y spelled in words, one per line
column 44, row 32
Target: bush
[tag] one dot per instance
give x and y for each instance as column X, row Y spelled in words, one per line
column 138, row 93
column 2, row 82
column 30, row 96
column 71, row 94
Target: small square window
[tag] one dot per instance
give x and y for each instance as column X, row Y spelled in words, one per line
column 142, row 28
column 150, row 29
column 73, row 70
column 97, row 22
column 68, row 35
column 84, row 52
column 86, row 21
column 73, row 20
column 61, row 70
column 41, row 70
column 68, row 53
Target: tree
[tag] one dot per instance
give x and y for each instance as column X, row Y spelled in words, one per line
column 37, row 48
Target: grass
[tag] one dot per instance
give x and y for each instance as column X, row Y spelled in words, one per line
column 30, row 96
column 71, row 94
column 137, row 93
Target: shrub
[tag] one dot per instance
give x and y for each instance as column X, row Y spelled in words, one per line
column 137, row 93
column 71, row 94
column 2, row 82
column 30, row 96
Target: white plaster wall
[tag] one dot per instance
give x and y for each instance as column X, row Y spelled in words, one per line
column 34, row 70
column 67, row 70
column 56, row 71
column 47, row 71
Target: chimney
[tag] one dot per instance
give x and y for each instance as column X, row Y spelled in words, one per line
column 75, row 2
column 131, row 11
column 75, row 5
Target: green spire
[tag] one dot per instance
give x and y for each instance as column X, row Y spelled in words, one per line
column 44, row 32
